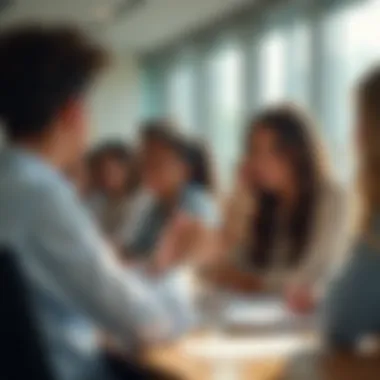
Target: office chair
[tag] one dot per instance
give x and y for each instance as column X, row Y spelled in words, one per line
column 22, row 354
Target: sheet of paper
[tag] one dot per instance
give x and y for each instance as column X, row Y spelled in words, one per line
column 263, row 314
column 229, row 348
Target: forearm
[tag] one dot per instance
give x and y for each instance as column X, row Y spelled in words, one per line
column 230, row 277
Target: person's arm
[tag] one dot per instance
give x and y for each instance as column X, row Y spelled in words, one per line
column 202, row 239
column 235, row 279
column 209, row 248
column 140, row 206
column 328, row 239
column 238, row 210
column 77, row 260
column 351, row 308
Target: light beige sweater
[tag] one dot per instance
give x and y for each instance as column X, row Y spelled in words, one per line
column 329, row 239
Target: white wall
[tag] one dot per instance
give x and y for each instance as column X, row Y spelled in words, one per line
column 115, row 101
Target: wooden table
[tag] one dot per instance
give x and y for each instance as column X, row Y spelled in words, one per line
column 304, row 364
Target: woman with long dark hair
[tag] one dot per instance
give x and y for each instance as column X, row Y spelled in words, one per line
column 288, row 219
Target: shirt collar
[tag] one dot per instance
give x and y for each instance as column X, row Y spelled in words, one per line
column 32, row 159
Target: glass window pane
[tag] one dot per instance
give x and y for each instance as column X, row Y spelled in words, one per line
column 152, row 87
column 273, row 67
column 352, row 47
column 298, row 63
column 181, row 97
column 284, row 64
column 225, row 103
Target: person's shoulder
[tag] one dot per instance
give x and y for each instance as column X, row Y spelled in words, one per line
column 333, row 187
column 334, row 193
column 30, row 178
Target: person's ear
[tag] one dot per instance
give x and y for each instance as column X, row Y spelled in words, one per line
column 72, row 114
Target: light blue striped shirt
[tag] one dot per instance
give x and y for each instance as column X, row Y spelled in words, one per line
column 75, row 285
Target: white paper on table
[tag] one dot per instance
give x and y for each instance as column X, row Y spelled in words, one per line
column 263, row 313
column 227, row 348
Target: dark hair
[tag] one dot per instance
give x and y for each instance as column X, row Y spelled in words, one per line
column 201, row 170
column 163, row 132
column 157, row 129
column 118, row 152
column 41, row 68
column 296, row 140
column 368, row 92
column 191, row 152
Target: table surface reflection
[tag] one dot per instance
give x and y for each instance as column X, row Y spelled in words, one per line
column 272, row 347
column 306, row 363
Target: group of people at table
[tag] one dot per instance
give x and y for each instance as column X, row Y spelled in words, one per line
column 99, row 255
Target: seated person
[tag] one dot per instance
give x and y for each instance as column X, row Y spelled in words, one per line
column 77, row 289
column 352, row 309
column 167, row 171
column 112, row 169
column 287, row 218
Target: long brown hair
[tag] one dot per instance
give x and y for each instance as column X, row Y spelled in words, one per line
column 296, row 140
column 369, row 160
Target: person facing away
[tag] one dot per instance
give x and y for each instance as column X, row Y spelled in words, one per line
column 114, row 184
column 45, row 73
column 286, row 218
column 351, row 309
column 167, row 172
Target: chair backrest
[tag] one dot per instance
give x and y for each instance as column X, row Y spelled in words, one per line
column 21, row 350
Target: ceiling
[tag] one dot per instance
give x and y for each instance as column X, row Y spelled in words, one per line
column 140, row 25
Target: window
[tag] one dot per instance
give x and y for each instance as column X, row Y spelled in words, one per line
column 293, row 53
column 352, row 47
column 181, row 96
column 284, row 66
column 273, row 67
column 298, row 60
column 225, row 102
column 152, row 90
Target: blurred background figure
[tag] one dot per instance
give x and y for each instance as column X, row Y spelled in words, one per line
column 285, row 237
column 176, row 173
column 151, row 133
column 352, row 306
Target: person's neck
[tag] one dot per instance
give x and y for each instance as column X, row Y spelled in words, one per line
column 45, row 148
